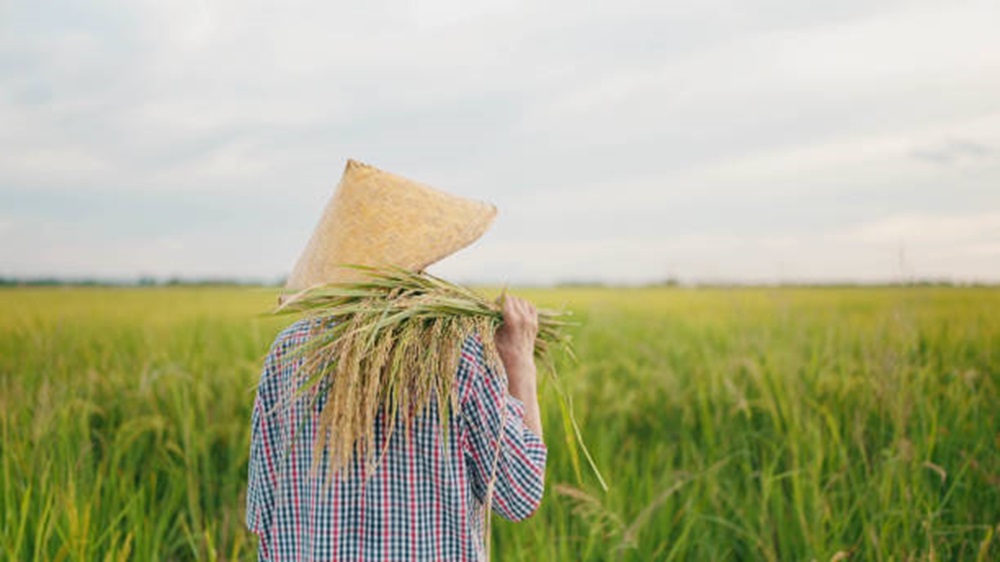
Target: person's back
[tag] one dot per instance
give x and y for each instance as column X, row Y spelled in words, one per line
column 425, row 499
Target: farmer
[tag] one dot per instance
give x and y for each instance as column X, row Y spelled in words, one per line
column 426, row 499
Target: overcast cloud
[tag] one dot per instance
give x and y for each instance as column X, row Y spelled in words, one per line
column 626, row 141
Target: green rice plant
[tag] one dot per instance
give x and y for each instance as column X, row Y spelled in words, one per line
column 819, row 423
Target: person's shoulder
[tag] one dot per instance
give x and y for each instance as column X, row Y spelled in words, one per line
column 298, row 331
column 295, row 331
column 473, row 345
column 285, row 353
column 475, row 368
column 292, row 336
column 473, row 350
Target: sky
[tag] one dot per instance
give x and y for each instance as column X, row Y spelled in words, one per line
column 750, row 141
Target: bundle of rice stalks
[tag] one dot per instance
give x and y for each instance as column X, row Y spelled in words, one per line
column 391, row 342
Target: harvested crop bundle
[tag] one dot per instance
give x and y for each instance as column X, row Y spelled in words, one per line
column 391, row 341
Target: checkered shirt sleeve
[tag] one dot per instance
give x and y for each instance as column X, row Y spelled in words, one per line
column 497, row 440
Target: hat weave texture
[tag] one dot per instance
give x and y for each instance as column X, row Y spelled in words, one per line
column 379, row 219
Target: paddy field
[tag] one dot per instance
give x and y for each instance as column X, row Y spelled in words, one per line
column 731, row 424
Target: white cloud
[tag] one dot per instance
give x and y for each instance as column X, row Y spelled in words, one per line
column 881, row 68
column 626, row 140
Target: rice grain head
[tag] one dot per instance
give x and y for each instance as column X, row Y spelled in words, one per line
column 391, row 344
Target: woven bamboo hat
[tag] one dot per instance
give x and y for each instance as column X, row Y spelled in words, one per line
column 380, row 219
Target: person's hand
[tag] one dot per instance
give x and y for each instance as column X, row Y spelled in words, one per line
column 515, row 339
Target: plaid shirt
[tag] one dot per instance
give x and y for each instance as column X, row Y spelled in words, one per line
column 425, row 501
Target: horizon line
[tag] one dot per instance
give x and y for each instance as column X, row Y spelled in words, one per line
column 276, row 283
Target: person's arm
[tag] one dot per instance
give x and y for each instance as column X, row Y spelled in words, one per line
column 502, row 434
column 515, row 341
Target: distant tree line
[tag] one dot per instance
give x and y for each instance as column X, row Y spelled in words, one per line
column 148, row 281
column 140, row 282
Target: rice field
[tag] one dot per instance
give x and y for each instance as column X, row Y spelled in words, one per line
column 731, row 424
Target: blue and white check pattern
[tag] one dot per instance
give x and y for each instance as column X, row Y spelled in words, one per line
column 424, row 501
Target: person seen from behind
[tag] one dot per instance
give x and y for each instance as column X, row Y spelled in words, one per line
column 427, row 497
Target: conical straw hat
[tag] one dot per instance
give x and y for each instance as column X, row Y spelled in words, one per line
column 380, row 219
